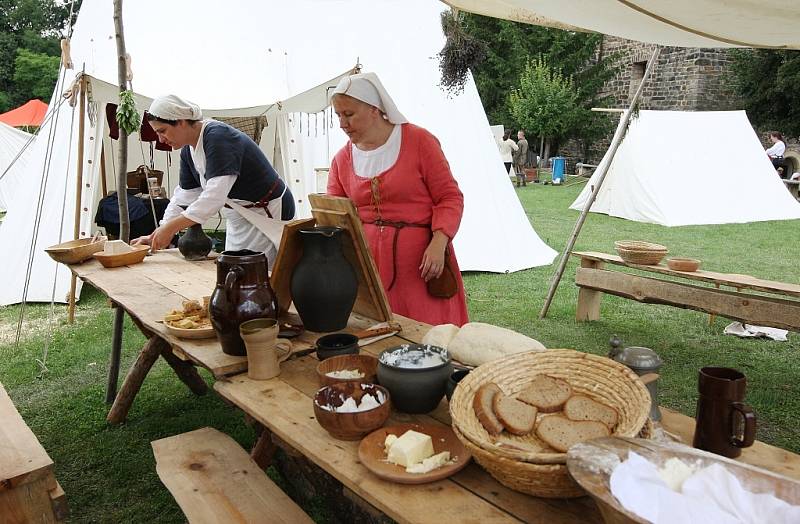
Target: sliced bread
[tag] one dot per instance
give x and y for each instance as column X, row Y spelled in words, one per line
column 561, row 433
column 517, row 417
column 546, row 393
column 482, row 404
column 580, row 407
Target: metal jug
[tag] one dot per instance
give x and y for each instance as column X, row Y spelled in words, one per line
column 645, row 363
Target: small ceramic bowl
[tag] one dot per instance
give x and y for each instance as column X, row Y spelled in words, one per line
column 683, row 264
column 350, row 425
column 367, row 365
column 336, row 344
column 453, row 381
column 415, row 375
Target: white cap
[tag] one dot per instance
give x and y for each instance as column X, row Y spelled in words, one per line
column 369, row 89
column 172, row 107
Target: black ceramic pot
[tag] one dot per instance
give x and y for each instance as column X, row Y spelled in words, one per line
column 194, row 244
column 324, row 285
column 336, row 344
column 242, row 293
column 453, row 381
column 416, row 376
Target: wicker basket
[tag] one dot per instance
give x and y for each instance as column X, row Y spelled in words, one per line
column 639, row 252
column 600, row 378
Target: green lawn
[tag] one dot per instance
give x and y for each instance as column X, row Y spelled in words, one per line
column 109, row 474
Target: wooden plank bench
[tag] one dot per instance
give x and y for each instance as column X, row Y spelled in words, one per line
column 215, row 481
column 29, row 491
column 776, row 305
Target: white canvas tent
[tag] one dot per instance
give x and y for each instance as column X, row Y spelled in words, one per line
column 678, row 168
column 246, row 56
column 12, row 142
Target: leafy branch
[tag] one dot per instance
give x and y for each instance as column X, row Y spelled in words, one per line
column 128, row 117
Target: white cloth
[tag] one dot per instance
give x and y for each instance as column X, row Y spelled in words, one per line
column 712, row 494
column 777, row 149
column 749, row 331
column 172, row 107
column 369, row 164
column 506, row 148
column 368, row 88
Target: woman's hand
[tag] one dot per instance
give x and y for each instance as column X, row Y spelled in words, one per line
column 162, row 236
column 433, row 258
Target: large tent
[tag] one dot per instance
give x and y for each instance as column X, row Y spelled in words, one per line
column 13, row 158
column 29, row 114
column 678, row 168
column 244, row 58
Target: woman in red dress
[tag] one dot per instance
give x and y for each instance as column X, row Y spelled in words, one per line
column 400, row 182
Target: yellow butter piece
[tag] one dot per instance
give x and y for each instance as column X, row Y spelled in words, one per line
column 410, row 448
column 430, row 463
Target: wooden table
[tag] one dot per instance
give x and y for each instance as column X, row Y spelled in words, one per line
column 775, row 305
column 283, row 406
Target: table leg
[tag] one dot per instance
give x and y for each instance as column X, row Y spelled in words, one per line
column 133, row 381
column 116, row 354
column 185, row 371
column 264, row 449
column 589, row 299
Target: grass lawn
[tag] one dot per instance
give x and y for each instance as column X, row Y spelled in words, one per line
column 109, row 473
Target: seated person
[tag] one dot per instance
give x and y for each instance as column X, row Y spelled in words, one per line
column 776, row 151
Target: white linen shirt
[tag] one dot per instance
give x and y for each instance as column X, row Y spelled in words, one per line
column 369, row 164
column 777, row 149
column 506, row 147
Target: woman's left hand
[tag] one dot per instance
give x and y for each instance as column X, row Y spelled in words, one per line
column 433, row 258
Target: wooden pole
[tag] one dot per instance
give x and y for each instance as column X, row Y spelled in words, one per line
column 103, row 182
column 73, row 281
column 602, row 170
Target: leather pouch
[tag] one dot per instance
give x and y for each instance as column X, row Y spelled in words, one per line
column 446, row 284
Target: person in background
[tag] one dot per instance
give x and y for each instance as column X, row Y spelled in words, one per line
column 521, row 157
column 776, row 151
column 507, row 147
column 221, row 169
column 400, row 182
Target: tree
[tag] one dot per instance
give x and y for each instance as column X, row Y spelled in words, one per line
column 768, row 83
column 33, row 26
column 545, row 103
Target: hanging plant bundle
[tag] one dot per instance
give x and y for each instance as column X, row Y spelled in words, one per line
column 460, row 53
column 128, row 117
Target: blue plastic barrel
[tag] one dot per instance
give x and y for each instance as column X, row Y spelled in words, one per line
column 559, row 167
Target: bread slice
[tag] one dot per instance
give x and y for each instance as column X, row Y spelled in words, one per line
column 561, row 433
column 482, row 404
column 546, row 393
column 517, row 417
column 580, row 407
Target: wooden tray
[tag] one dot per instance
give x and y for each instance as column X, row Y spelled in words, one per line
column 123, row 259
column 371, row 453
column 76, row 251
column 591, row 463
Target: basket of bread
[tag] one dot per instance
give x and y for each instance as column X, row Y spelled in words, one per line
column 191, row 321
column 520, row 414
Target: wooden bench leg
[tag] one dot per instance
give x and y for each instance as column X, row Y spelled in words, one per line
column 133, row 381
column 264, row 449
column 185, row 371
column 589, row 299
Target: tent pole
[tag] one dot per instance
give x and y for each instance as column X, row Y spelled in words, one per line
column 73, row 283
column 612, row 150
column 103, row 169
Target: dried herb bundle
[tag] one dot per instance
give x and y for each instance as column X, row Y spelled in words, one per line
column 460, row 52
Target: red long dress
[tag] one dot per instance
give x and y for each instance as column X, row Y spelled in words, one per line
column 418, row 189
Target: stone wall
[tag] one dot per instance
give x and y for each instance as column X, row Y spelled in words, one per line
column 684, row 79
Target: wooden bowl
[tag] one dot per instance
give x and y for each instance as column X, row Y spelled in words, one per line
column 123, row 259
column 349, row 426
column 366, row 364
column 591, row 464
column 688, row 265
column 76, row 251
column 202, row 332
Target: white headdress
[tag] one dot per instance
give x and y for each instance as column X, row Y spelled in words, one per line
column 369, row 89
column 172, row 107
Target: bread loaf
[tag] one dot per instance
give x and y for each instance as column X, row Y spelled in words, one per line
column 561, row 433
column 517, row 417
column 477, row 343
column 546, row 393
column 482, row 404
column 580, row 407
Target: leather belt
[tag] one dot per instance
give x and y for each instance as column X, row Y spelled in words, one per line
column 264, row 202
column 397, row 227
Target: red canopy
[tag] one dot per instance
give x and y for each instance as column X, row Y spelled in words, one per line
column 29, row 114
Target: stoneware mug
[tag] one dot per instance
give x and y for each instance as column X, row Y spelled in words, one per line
column 264, row 351
column 720, row 407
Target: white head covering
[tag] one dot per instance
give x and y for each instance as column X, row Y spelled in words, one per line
column 172, row 107
column 369, row 89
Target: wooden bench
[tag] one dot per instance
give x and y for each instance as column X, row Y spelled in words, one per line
column 29, row 491
column 776, row 305
column 214, row 481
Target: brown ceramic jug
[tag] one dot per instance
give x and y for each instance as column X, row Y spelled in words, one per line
column 242, row 293
column 719, row 408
